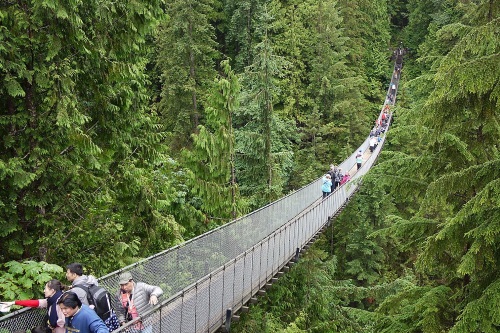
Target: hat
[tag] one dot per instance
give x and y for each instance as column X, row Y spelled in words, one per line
column 125, row 277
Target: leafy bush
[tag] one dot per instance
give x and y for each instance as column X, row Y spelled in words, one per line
column 26, row 280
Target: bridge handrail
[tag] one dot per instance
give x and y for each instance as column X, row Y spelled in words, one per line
column 188, row 263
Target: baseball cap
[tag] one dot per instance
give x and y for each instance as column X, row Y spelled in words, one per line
column 125, row 277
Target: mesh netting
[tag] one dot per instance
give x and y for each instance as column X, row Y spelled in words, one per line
column 222, row 269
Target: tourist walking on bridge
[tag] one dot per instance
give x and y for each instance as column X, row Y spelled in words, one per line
column 332, row 172
column 345, row 178
column 359, row 159
column 135, row 298
column 327, row 185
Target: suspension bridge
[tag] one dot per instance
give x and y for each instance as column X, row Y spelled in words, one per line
column 209, row 279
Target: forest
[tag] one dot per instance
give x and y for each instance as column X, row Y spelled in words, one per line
column 128, row 127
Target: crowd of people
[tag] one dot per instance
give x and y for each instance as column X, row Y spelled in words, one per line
column 335, row 177
column 70, row 309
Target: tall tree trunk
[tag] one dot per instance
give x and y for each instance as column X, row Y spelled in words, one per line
column 192, row 74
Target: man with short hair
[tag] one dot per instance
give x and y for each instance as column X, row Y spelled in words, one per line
column 74, row 274
column 135, row 299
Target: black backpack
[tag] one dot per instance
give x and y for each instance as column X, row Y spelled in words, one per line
column 99, row 298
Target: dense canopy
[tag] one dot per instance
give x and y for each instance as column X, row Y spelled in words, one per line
column 129, row 127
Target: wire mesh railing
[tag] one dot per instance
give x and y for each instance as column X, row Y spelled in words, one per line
column 202, row 306
column 225, row 267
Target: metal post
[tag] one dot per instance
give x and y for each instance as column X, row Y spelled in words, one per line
column 229, row 314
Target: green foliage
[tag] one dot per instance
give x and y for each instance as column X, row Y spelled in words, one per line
column 416, row 309
column 480, row 308
column 26, row 280
column 185, row 57
column 446, row 149
column 240, row 37
column 262, row 137
column 85, row 166
column 80, row 146
column 212, row 159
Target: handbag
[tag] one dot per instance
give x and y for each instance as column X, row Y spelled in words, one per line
column 112, row 322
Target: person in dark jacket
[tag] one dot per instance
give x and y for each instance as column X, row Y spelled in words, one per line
column 53, row 290
column 135, row 299
column 332, row 172
column 79, row 317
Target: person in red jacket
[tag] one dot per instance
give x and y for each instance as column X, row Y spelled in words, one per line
column 345, row 179
column 53, row 290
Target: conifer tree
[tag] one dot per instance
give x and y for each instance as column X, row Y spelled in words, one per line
column 338, row 111
column 262, row 136
column 212, row 159
column 452, row 167
column 75, row 113
column 294, row 40
column 240, row 33
column 464, row 106
column 186, row 56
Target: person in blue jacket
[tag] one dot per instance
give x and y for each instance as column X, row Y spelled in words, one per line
column 79, row 317
column 327, row 185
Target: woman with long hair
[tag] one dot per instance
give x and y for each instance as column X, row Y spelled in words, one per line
column 53, row 291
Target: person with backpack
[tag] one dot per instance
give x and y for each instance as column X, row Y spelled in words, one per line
column 87, row 288
column 80, row 282
column 135, row 298
column 79, row 317
column 55, row 318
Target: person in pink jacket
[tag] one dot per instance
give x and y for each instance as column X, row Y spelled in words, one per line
column 53, row 290
column 345, row 179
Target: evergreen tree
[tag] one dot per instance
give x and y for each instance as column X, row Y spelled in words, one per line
column 212, row 158
column 295, row 41
column 466, row 88
column 186, row 56
column 336, row 109
column 75, row 114
column 262, row 136
column 242, row 17
column 449, row 154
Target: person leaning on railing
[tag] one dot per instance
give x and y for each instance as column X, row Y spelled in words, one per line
column 53, row 291
column 79, row 317
column 135, row 299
